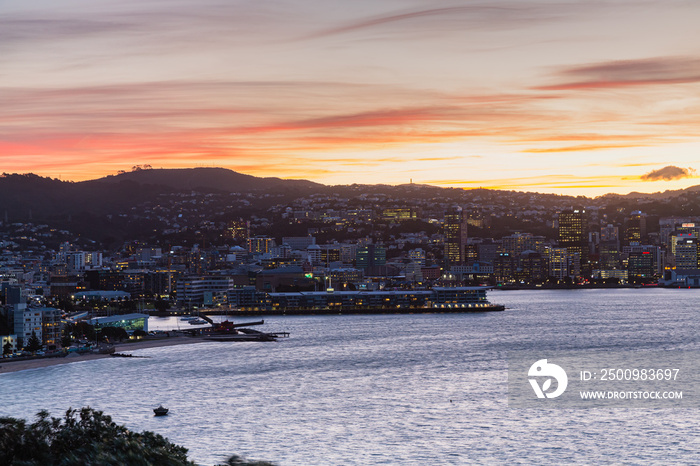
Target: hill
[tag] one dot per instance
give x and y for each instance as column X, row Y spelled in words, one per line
column 658, row 195
column 204, row 178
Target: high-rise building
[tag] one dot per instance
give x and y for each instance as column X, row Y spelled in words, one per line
column 573, row 235
column 455, row 231
column 299, row 243
column 25, row 321
column 608, row 233
column 635, row 228
column 609, row 248
column 370, row 256
column 261, row 244
column 558, row 263
column 687, row 252
column 399, row 214
column 418, row 256
column 518, row 243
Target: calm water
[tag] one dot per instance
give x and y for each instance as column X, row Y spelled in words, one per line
column 411, row 389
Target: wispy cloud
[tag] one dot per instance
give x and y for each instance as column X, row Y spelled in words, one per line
column 668, row 173
column 559, row 181
column 627, row 73
column 491, row 15
column 484, row 13
column 581, row 148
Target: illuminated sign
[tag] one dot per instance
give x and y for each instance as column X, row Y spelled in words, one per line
column 688, row 225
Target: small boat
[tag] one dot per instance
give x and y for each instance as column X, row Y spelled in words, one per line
column 189, row 318
column 198, row 322
column 160, row 411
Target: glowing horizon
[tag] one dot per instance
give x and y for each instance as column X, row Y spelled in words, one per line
column 563, row 97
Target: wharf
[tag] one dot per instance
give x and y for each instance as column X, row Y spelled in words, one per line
column 364, row 311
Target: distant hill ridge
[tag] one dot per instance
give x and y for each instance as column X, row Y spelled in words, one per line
column 209, row 178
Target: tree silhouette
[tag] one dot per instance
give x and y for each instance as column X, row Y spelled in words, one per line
column 33, row 344
column 88, row 437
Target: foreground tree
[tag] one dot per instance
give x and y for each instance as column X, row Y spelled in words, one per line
column 88, row 437
column 33, row 344
column 114, row 333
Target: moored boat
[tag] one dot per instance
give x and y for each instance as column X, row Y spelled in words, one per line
column 160, row 411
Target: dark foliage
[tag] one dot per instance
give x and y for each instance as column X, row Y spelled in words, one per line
column 83, row 437
column 114, row 333
column 87, row 437
column 33, row 343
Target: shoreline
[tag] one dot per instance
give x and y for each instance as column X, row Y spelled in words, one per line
column 8, row 366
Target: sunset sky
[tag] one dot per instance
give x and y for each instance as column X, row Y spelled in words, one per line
column 572, row 97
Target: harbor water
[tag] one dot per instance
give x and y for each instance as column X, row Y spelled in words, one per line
column 389, row 389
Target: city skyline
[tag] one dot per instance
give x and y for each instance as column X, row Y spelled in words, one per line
column 553, row 96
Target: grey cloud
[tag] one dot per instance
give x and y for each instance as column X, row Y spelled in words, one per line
column 649, row 68
column 19, row 29
column 668, row 173
column 488, row 15
column 623, row 73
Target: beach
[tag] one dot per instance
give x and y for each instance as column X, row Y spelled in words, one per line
column 7, row 365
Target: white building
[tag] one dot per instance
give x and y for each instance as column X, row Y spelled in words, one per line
column 26, row 321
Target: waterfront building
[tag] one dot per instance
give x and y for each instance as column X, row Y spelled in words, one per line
column 504, row 267
column 532, row 267
column 128, row 322
column 45, row 322
column 25, row 321
column 620, row 275
column 686, row 252
column 563, row 264
column 684, row 278
column 248, row 297
column 192, row 290
column 51, row 327
column 467, row 298
column 644, row 260
column 101, row 295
